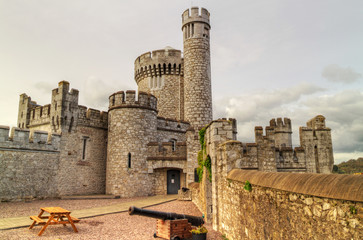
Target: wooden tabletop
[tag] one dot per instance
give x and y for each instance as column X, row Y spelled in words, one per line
column 57, row 210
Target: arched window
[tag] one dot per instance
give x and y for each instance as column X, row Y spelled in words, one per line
column 129, row 160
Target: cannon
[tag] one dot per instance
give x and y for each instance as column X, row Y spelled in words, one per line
column 170, row 225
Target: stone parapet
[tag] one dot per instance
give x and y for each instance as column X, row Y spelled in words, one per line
column 166, row 61
column 130, row 99
column 92, row 117
column 167, row 151
column 23, row 139
column 173, row 125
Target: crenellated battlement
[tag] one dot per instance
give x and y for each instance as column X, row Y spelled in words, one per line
column 24, row 139
column 166, row 61
column 130, row 99
column 40, row 115
column 281, row 125
column 92, row 117
column 63, row 87
column 193, row 15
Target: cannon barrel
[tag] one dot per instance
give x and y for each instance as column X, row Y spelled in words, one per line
column 195, row 221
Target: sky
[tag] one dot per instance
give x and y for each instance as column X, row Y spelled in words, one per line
column 269, row 58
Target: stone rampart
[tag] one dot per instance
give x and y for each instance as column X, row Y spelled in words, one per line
column 92, row 117
column 23, row 139
column 28, row 164
column 289, row 205
column 166, row 151
column 130, row 99
column 172, row 125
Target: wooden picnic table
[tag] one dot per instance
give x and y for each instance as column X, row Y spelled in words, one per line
column 57, row 215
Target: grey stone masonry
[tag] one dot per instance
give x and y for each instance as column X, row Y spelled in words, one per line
column 161, row 74
column 132, row 125
column 197, row 71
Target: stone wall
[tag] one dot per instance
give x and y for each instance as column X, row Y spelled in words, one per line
column 82, row 165
column 41, row 165
column 28, row 164
column 289, row 206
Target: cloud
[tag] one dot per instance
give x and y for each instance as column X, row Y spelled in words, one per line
column 343, row 112
column 335, row 73
column 96, row 91
column 252, row 106
column 44, row 87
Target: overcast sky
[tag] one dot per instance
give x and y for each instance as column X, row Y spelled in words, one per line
column 273, row 58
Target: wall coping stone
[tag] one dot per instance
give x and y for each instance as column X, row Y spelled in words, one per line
column 335, row 186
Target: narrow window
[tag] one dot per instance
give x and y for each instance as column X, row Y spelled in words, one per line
column 129, row 160
column 192, row 29
column 71, row 125
column 84, row 148
column 316, row 153
column 173, row 144
column 55, row 106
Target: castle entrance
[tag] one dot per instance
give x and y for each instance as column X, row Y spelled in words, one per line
column 173, row 181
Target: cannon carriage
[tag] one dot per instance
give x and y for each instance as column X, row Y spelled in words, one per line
column 169, row 225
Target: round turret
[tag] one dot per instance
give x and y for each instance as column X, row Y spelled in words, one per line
column 132, row 125
column 161, row 74
column 197, row 72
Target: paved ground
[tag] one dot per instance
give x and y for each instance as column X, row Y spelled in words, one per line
column 24, row 221
column 100, row 218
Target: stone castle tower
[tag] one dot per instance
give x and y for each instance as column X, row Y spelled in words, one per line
column 170, row 87
column 198, row 93
column 132, row 125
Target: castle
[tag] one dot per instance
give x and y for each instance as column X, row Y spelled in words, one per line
column 148, row 141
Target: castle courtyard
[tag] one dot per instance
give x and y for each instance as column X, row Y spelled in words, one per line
column 110, row 226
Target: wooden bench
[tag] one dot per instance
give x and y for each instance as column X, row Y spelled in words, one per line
column 37, row 220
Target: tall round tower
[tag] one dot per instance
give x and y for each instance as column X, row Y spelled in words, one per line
column 132, row 125
column 197, row 72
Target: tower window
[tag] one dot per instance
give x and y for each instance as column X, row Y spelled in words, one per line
column 84, row 147
column 173, row 144
column 129, row 160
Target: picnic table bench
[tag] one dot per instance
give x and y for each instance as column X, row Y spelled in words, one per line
column 57, row 215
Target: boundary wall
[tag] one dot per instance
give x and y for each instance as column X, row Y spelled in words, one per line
column 28, row 164
column 280, row 205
